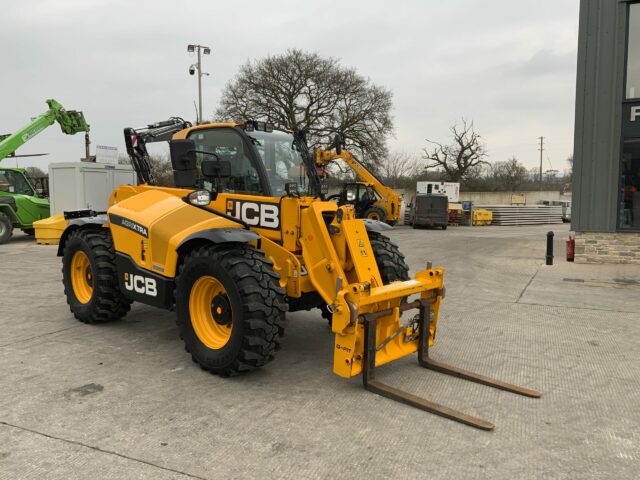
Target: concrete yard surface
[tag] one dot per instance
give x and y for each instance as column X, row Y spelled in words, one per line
column 124, row 400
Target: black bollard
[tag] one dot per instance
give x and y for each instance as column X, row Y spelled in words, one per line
column 549, row 248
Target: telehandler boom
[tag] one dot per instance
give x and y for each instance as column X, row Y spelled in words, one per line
column 70, row 121
column 244, row 237
column 20, row 203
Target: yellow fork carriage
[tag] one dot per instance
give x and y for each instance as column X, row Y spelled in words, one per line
column 244, row 236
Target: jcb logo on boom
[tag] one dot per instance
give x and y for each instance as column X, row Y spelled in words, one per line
column 258, row 214
column 140, row 284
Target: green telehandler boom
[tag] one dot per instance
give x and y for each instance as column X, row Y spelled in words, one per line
column 20, row 204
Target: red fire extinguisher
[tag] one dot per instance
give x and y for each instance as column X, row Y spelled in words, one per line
column 571, row 248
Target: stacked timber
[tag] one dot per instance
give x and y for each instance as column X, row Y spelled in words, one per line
column 524, row 214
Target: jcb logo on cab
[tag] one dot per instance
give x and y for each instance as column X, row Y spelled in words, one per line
column 256, row 214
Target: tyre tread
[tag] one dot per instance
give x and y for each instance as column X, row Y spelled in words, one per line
column 110, row 304
column 264, row 304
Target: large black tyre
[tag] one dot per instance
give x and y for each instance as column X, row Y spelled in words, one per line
column 230, row 308
column 390, row 263
column 375, row 213
column 6, row 228
column 89, row 255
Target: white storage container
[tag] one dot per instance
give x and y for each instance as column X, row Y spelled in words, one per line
column 82, row 185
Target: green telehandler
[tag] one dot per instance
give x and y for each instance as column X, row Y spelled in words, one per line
column 20, row 203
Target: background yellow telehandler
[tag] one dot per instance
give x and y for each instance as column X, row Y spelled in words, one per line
column 370, row 197
column 243, row 237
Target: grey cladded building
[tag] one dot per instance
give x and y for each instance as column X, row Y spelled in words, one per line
column 606, row 177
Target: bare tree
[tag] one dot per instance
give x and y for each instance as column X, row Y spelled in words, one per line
column 570, row 162
column 460, row 157
column 398, row 168
column 300, row 90
column 509, row 175
column 35, row 172
column 162, row 169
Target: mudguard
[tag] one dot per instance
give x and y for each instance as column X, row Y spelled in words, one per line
column 222, row 235
column 97, row 221
column 375, row 225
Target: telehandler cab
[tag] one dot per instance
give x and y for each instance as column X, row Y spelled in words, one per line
column 244, row 237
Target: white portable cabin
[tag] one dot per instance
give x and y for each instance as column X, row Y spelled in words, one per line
column 450, row 189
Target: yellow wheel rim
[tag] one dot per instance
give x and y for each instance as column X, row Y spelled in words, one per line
column 210, row 312
column 373, row 216
column 81, row 277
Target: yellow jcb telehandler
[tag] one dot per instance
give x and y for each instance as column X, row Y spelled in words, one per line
column 370, row 197
column 244, row 237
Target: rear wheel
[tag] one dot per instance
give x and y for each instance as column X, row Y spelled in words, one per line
column 230, row 308
column 90, row 277
column 375, row 213
column 6, row 228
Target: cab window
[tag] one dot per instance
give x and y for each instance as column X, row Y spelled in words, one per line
column 228, row 145
column 282, row 160
column 14, row 182
column 367, row 194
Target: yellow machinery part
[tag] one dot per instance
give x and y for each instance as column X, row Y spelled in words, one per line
column 49, row 230
column 170, row 220
column 81, row 277
column 359, row 290
column 482, row 217
column 212, row 333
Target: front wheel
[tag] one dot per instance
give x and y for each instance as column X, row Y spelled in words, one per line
column 6, row 228
column 389, row 259
column 230, row 308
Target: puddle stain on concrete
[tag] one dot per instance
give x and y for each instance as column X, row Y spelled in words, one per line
column 84, row 390
column 615, row 283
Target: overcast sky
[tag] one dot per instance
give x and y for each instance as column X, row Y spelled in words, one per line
column 508, row 66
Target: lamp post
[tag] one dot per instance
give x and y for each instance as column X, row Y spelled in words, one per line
column 201, row 50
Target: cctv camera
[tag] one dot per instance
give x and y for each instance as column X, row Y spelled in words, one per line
column 192, row 70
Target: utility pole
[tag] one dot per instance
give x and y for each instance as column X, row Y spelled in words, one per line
column 541, row 150
column 200, row 87
column 201, row 50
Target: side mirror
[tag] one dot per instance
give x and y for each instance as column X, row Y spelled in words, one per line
column 216, row 168
column 183, row 161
